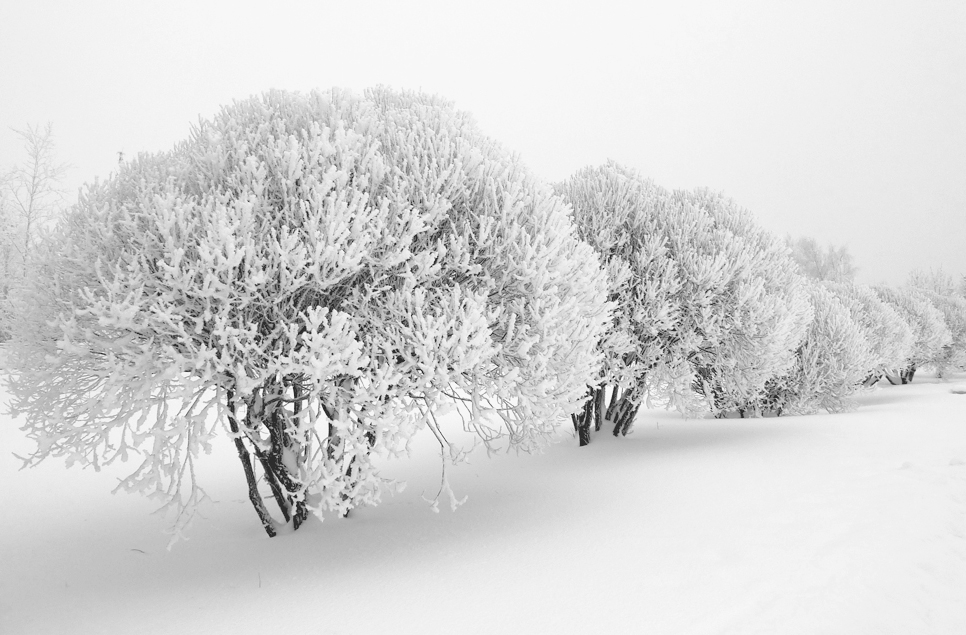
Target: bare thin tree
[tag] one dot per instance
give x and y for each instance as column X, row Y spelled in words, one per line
column 831, row 264
column 30, row 195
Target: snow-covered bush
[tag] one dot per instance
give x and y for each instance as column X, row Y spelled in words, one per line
column 704, row 297
column 928, row 327
column 952, row 356
column 890, row 338
column 317, row 274
column 622, row 216
column 761, row 312
column 830, row 365
column 943, row 292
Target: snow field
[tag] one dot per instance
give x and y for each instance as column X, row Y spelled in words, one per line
column 848, row 523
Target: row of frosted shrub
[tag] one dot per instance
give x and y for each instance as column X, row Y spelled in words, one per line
column 322, row 275
column 712, row 313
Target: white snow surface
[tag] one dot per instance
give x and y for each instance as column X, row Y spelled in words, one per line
column 849, row 523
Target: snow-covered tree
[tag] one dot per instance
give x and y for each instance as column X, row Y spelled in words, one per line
column 890, row 338
column 704, row 297
column 952, row 356
column 935, row 280
column 943, row 292
column 830, row 365
column 30, row 199
column 831, row 264
column 762, row 312
column 623, row 217
column 316, row 274
column 928, row 327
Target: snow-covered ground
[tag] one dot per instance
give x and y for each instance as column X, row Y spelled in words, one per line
column 852, row 523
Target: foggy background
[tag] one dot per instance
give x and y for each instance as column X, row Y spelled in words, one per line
column 844, row 121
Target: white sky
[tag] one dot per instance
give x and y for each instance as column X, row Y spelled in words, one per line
column 841, row 120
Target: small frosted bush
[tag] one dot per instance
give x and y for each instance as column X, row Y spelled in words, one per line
column 928, row 327
column 830, row 365
column 951, row 356
column 891, row 339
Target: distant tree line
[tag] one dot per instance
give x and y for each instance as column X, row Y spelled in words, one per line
column 31, row 198
column 320, row 276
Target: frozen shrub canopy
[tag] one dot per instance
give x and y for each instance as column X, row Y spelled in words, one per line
column 890, row 338
column 831, row 363
column 316, row 274
column 952, row 356
column 754, row 317
column 944, row 294
column 705, row 297
column 622, row 216
column 927, row 323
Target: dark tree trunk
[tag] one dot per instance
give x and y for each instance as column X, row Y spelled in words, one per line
column 268, row 470
column 625, row 420
column 583, row 434
column 612, row 407
column 600, row 406
column 585, row 417
column 273, row 416
column 268, row 524
column 266, row 412
column 908, row 374
column 871, row 380
column 625, row 412
column 707, row 385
